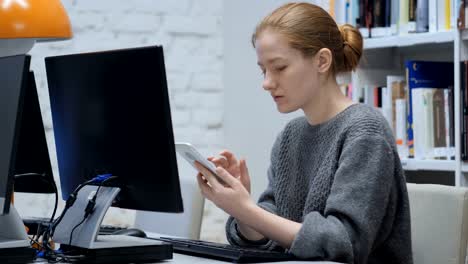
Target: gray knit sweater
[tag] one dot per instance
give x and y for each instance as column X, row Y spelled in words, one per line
column 343, row 181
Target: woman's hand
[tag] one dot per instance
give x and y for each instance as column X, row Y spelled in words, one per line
column 237, row 168
column 232, row 197
column 255, row 222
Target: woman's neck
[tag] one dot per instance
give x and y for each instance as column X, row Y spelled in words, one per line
column 328, row 103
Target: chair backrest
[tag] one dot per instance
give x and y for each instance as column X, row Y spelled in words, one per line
column 186, row 224
column 439, row 223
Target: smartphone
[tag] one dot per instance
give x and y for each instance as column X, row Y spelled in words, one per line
column 191, row 154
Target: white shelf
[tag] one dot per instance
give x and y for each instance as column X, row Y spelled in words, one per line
column 435, row 165
column 464, row 34
column 464, row 166
column 409, row 40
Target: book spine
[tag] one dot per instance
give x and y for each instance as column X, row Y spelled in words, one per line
column 432, row 15
column 400, row 127
column 340, row 11
column 460, row 6
column 355, row 13
column 448, row 15
column 428, row 123
column 409, row 129
column 419, row 135
column 441, row 18
column 422, row 16
column 412, row 16
column 395, row 7
column 447, row 121
column 439, row 129
column 388, row 9
column 378, row 13
column 452, row 123
column 464, row 101
column 465, row 6
column 331, row 8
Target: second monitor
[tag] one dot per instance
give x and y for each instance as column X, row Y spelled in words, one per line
column 111, row 115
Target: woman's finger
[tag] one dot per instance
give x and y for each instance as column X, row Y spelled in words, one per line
column 226, row 177
column 245, row 177
column 243, row 168
column 220, row 161
column 229, row 156
column 208, row 176
column 204, row 188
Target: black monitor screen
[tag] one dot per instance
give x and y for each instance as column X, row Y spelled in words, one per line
column 13, row 77
column 32, row 169
column 111, row 114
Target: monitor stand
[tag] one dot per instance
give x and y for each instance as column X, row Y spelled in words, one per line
column 14, row 242
column 86, row 240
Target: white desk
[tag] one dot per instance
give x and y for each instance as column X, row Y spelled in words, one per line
column 185, row 259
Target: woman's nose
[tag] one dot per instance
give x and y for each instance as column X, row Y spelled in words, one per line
column 268, row 82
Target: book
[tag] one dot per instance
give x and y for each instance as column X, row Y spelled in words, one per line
column 440, row 139
column 400, row 128
column 394, row 16
column 464, row 105
column 404, row 17
column 396, row 90
column 432, row 15
column 412, row 16
column 449, row 123
column 422, row 16
column 428, row 75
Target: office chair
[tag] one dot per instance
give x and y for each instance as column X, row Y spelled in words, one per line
column 439, row 223
column 187, row 224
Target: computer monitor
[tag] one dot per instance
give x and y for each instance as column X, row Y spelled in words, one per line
column 33, row 169
column 13, row 78
column 14, row 243
column 111, row 114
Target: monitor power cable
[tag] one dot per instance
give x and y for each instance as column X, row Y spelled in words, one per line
column 91, row 203
column 43, row 177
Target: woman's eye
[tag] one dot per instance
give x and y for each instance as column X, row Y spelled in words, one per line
column 282, row 68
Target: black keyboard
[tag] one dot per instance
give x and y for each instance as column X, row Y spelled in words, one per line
column 109, row 229
column 225, row 252
column 34, row 223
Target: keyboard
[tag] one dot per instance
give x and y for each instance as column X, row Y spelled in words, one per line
column 225, row 252
column 109, row 229
column 33, row 223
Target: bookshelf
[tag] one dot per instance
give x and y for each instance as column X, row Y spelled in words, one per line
column 431, row 165
column 409, row 40
column 402, row 70
column 386, row 55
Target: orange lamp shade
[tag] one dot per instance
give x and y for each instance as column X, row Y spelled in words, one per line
column 36, row 19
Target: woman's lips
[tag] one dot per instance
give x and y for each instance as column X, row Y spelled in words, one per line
column 277, row 98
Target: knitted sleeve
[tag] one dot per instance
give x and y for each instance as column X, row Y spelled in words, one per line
column 267, row 202
column 357, row 205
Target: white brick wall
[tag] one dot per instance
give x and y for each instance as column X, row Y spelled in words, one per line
column 190, row 32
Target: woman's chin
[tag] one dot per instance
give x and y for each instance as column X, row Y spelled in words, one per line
column 284, row 109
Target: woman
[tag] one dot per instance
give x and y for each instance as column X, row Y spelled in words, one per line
column 336, row 186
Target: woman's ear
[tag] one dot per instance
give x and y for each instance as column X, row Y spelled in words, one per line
column 325, row 60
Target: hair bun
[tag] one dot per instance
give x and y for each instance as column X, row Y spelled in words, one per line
column 352, row 46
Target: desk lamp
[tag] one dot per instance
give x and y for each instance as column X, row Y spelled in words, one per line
column 23, row 22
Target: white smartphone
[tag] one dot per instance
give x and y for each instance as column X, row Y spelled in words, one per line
column 190, row 154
